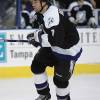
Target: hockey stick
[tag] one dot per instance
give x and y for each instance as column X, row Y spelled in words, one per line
column 8, row 40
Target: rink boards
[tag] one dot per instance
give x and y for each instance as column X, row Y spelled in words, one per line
column 25, row 72
column 15, row 58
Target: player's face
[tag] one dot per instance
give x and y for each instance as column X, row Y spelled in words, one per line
column 36, row 5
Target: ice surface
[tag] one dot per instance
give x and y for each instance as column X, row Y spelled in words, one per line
column 83, row 87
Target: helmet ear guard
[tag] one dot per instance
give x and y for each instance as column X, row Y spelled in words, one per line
column 48, row 2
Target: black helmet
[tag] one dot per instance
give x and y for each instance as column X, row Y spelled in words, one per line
column 44, row 0
column 47, row 1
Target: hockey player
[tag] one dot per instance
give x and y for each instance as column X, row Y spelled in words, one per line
column 59, row 42
column 81, row 13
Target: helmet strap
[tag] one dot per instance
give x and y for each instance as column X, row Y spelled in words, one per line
column 42, row 7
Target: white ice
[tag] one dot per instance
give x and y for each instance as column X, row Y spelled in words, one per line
column 83, row 87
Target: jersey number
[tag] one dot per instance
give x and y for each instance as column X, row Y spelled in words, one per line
column 53, row 31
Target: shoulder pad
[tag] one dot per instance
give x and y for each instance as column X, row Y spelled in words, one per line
column 51, row 17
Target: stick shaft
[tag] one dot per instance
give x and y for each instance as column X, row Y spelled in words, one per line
column 8, row 40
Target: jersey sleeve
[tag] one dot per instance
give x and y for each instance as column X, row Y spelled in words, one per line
column 51, row 17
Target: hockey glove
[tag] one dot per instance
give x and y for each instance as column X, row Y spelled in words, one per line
column 38, row 38
column 92, row 22
column 32, row 41
column 72, row 19
column 93, row 25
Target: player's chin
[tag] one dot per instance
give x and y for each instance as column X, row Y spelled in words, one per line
column 36, row 10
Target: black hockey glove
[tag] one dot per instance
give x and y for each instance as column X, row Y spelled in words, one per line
column 93, row 25
column 30, row 38
column 92, row 22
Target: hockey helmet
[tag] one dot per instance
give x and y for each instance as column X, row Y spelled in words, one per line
column 44, row 0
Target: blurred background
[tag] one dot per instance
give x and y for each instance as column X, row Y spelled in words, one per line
column 12, row 11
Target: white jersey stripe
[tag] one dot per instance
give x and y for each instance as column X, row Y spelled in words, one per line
column 71, row 51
